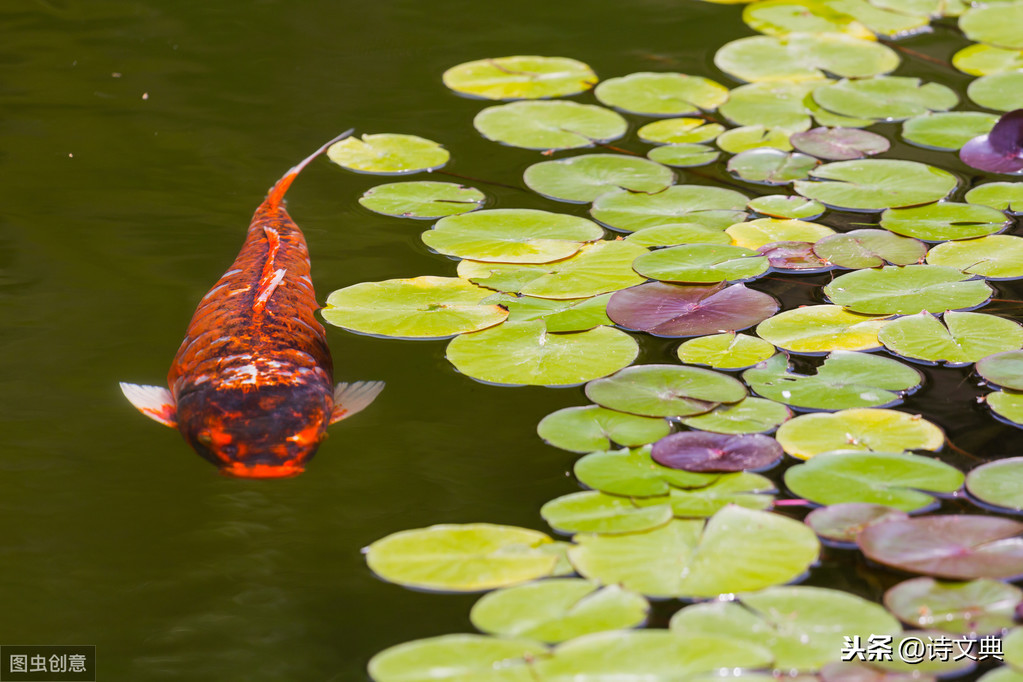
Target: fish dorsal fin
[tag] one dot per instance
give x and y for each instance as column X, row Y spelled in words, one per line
column 155, row 402
column 277, row 192
column 266, row 289
column 352, row 398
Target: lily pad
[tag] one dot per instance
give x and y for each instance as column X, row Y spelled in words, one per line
column 900, row 480
column 679, row 131
column 728, row 351
column 841, row 523
column 519, row 353
column 511, row 235
column 839, row 144
column 890, row 21
column 1007, row 405
column 749, row 138
column 770, row 166
column 996, row 256
column 976, row 607
column 701, row 264
column 858, row 249
column 1003, row 369
column 999, row 91
column 947, row 130
column 591, row 428
column 665, row 390
column 909, row 289
column 741, row 489
column 792, row 208
column 423, row 200
column 774, row 105
column 948, row 546
column 632, row 473
column 674, row 234
column 845, row 380
column 994, row 24
column 794, row 256
column 944, row 220
column 862, row 429
column 388, row 154
column 876, row 184
column 749, row 415
column 556, row 610
column 955, row 339
column 1005, row 196
column 595, row 512
column 461, row 557
column 708, row 206
column 583, row 178
column 418, row 308
column 661, row 94
column 821, row 329
column 520, row 77
column 763, row 231
column 549, row 125
column 566, row 315
column 804, row 56
column 885, row 98
column 709, row 452
column 998, row 483
column 672, row 310
column 736, row 550
column 782, row 17
column 980, row 60
column 457, row 658
column 684, row 155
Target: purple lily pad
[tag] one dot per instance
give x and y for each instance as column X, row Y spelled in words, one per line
column 954, row 546
column 689, row 310
column 1001, row 150
column 842, row 522
column 708, row 452
column 839, row 144
column 794, row 256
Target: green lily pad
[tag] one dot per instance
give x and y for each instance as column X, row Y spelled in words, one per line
column 976, row 607
column 947, row 130
column 846, row 379
column 905, row 290
column 1007, row 405
column 632, row 473
column 702, row 264
column 841, row 523
column 418, row 308
column 1003, row 673
column 891, row 22
column 821, row 329
column 549, row 125
column 520, row 77
column 738, row 489
column 998, row 483
column 774, row 105
column 665, row 390
column 661, row 94
column 867, row 429
column 679, row 131
column 790, row 208
column 858, row 249
column 899, row 480
column 763, row 231
column 981, row 60
column 804, row 627
column 596, row 512
column 519, row 353
column 388, row 154
column 568, row 315
column 684, row 155
column 955, row 339
column 839, row 144
column 885, row 98
column 708, row 206
column 511, row 235
column 736, row 550
column 1005, row 196
column 557, row 610
column 748, row 138
column 583, row 178
column 999, row 91
column 591, row 427
column 457, row 658
column 1003, row 369
column 782, row 17
column 804, row 56
column 770, row 166
column 749, row 415
column 461, row 557
column 729, row 351
column 876, row 184
column 424, row 199
column 996, row 256
column 944, row 220
column 674, row 234
column 994, row 24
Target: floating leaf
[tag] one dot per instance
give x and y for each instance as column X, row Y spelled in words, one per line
column 977, row 607
column 461, row 557
column 772, row 105
column 845, row 380
column 859, row 249
column 556, row 610
column 898, row 480
column 913, row 659
column 998, row 483
column 526, row 353
column 424, row 199
column 841, row 523
column 907, row 290
column 583, row 178
column 999, row 91
column 511, row 235
column 804, row 56
column 1005, row 196
column 725, row 351
column 737, row 550
column 821, row 329
column 673, row 234
column 679, row 131
column 793, row 208
column 996, row 256
column 892, row 22
column 701, row 264
column 707, row 452
column 885, row 98
column 1003, row 673
column 596, row 512
column 944, row 220
column 749, row 415
column 980, row 60
column 520, row 77
column 955, row 339
column 419, row 308
column 795, row 256
column 661, row 94
column 567, row 315
column 770, row 166
column 683, row 155
column 839, row 144
column 591, row 428
column 763, row 231
column 1001, row 150
column 742, row 489
column 633, row 473
column 672, row 310
column 1003, row 369
column 457, row 658
column 665, row 390
column 549, row 125
column 867, row 429
column 748, row 138
column 782, row 17
column 1007, row 405
column 875, row 184
column 948, row 546
column 994, row 24
column 388, row 154
column 948, row 130
column 709, row 206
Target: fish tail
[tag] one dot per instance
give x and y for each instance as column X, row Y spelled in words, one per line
column 277, row 192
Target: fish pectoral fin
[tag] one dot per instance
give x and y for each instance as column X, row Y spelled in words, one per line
column 354, row 397
column 155, row 402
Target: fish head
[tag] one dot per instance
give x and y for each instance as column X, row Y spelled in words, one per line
column 260, row 432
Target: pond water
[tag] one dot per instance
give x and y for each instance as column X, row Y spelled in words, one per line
column 139, row 137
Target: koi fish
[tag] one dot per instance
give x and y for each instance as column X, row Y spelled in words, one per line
column 251, row 386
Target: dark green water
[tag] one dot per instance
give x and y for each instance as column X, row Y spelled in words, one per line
column 127, row 196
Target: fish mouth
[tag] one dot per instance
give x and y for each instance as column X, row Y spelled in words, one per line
column 238, row 470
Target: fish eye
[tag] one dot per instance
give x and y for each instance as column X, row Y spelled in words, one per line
column 205, row 438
